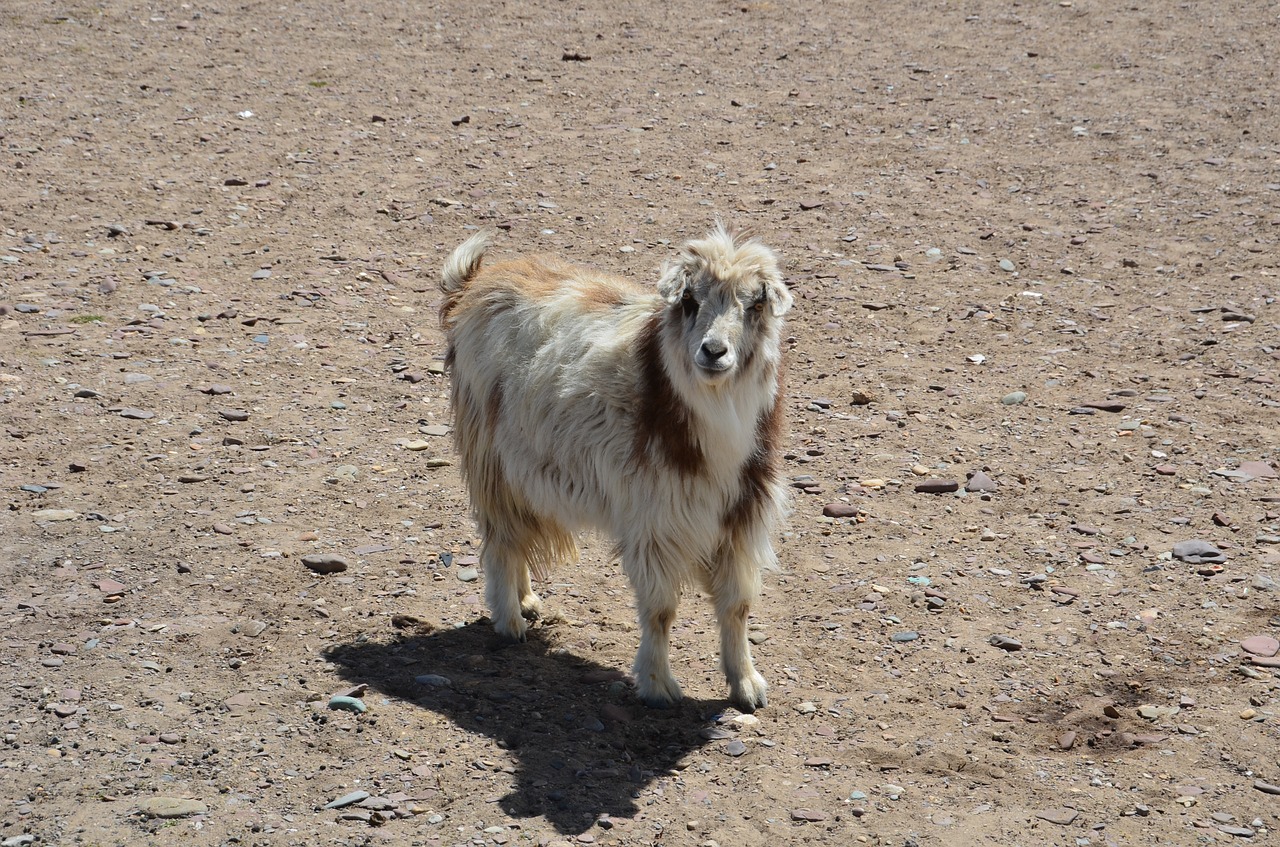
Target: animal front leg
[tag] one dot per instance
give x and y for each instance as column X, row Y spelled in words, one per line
column 734, row 587
column 656, row 603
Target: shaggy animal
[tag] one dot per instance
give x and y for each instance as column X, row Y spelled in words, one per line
column 584, row 401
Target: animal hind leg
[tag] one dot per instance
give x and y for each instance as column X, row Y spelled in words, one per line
column 505, row 575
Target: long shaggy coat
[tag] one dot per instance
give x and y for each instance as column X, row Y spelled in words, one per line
column 584, row 401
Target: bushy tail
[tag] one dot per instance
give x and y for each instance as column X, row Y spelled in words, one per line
column 463, row 263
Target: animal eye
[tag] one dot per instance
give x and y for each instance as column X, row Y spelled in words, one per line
column 689, row 304
column 758, row 305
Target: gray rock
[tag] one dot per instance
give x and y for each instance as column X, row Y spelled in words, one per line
column 980, row 482
column 347, row 800
column 1198, row 552
column 325, row 562
column 1004, row 642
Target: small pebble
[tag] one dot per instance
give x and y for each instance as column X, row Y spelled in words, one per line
column 1014, row 398
column 980, row 482
column 937, row 486
column 325, row 562
column 349, row 704
column 1004, row 642
column 735, row 748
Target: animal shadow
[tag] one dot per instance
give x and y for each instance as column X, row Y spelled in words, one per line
column 583, row 745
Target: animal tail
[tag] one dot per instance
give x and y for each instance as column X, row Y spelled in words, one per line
column 459, row 269
column 463, row 263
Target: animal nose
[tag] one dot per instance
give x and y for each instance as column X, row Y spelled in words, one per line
column 714, row 349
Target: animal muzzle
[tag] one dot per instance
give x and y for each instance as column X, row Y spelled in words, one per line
column 714, row 356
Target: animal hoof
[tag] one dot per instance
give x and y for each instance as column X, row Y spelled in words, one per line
column 531, row 610
column 658, row 702
column 515, row 633
column 660, row 695
column 749, row 694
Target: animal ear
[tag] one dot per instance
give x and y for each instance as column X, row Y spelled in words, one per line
column 673, row 282
column 777, row 293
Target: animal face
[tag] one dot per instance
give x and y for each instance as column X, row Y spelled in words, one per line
column 724, row 301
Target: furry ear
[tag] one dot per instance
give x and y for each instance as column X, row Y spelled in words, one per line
column 777, row 293
column 673, row 282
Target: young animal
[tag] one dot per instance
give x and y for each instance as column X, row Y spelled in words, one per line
column 581, row 400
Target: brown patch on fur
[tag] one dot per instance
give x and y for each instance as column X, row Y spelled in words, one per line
column 448, row 305
column 601, row 294
column 760, row 470
column 493, row 409
column 664, row 424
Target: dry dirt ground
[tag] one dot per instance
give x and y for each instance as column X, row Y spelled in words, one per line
column 221, row 228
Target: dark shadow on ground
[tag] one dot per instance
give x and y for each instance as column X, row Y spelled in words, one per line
column 584, row 745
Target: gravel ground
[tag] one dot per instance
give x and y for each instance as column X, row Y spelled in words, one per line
column 1034, row 251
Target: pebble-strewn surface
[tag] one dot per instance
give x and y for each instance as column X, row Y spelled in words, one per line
column 1029, row 588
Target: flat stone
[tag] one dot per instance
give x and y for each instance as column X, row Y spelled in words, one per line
column 1197, row 552
column 111, row 587
column 904, row 637
column 735, row 748
column 1260, row 645
column 1266, row 787
column 1258, row 469
column 171, row 807
column 1166, row 470
column 347, row 800
column 417, row 445
column 839, row 510
column 937, row 486
column 1237, row 831
column 807, row 815
column 235, row 415
column 55, row 515
column 1014, row 398
column 136, row 414
column 325, row 562
column 1061, row 817
column 468, row 574
column 1067, row 740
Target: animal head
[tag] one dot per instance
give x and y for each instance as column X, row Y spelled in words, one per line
column 725, row 299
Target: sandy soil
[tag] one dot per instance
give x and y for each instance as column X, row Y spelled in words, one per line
column 1036, row 240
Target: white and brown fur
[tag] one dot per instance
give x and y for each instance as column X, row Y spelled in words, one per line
column 582, row 400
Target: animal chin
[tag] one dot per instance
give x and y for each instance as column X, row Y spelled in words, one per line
column 712, row 371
